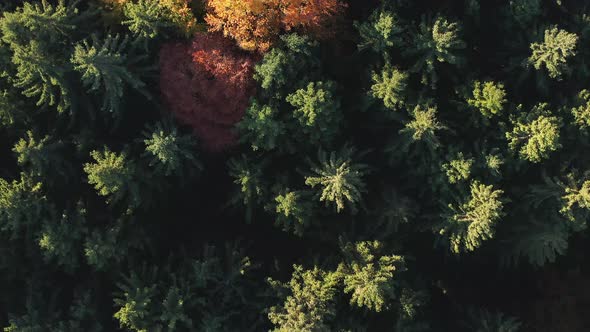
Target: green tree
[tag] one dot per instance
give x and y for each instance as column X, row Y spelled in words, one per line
column 39, row 156
column 369, row 275
column 170, row 152
column 317, row 109
column 458, row 169
column 248, row 175
column 22, row 204
column 262, row 127
column 535, row 134
column 293, row 211
column 554, row 51
column 485, row 321
column 310, row 302
column 147, row 19
column 524, row 12
column 488, row 98
column 474, row 221
column 136, row 302
column 113, row 175
column 339, row 178
column 380, row 33
column 581, row 111
column 61, row 238
column 436, row 41
column 104, row 68
column 423, row 126
column 390, row 86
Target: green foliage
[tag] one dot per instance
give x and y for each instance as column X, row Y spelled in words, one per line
column 581, row 112
column 525, row 12
column 112, row 175
column 539, row 243
column 61, row 238
column 535, row 134
column 170, row 152
column 474, row 221
column 369, row 275
column 39, row 156
column 380, row 33
column 423, row 126
column 22, row 204
column 261, row 127
column 248, row 176
column 104, row 68
column 488, row 98
column 486, row 321
column 136, row 303
column 390, row 86
column 309, row 303
column 317, row 109
column 102, row 249
column 11, row 109
column 552, row 54
column 459, row 168
column 293, row 211
column 339, row 178
column 147, row 19
column 436, row 41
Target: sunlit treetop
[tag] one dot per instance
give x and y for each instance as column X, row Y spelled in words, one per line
column 552, row 54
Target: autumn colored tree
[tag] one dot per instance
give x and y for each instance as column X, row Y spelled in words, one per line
column 207, row 85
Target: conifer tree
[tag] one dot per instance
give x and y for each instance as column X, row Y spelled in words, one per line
column 485, row 321
column 309, row 303
column 488, row 98
column 39, row 156
column 369, row 275
column 390, row 86
column 317, row 109
column 147, row 19
column 459, row 168
column 248, row 176
column 293, row 211
column 524, row 12
column 339, row 178
column 535, row 134
column 423, row 126
column 473, row 221
column 436, row 41
column 22, row 204
column 581, row 112
column 11, row 109
column 170, row 152
column 61, row 238
column 554, row 51
column 381, row 32
column 262, row 127
column 136, row 303
column 112, row 175
column 104, row 68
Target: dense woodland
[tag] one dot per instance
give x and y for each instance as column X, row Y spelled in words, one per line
column 294, row 165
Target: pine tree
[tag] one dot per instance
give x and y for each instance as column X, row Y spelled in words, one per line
column 473, row 221
column 248, row 176
column 581, row 112
column 147, row 19
column 488, row 98
column 485, row 321
column 458, row 169
column 262, row 128
column 310, row 302
column 423, row 126
column 339, row 178
column 170, row 152
column 11, row 109
column 137, row 310
column 381, row 32
column 390, row 86
column 39, row 156
column 435, row 42
column 61, row 238
column 369, row 275
column 22, row 204
column 524, row 12
column 554, row 51
column 535, row 134
column 112, row 175
column 293, row 211
column 317, row 109
column 104, row 68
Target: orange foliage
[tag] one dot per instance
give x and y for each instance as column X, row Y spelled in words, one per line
column 255, row 24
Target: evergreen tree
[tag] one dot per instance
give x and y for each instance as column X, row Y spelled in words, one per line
column 112, row 175
column 248, row 176
column 436, row 41
column 262, row 127
column 22, row 204
column 170, row 152
column 381, row 32
column 581, row 112
column 39, row 156
column 535, row 134
column 474, row 221
column 147, row 19
column 104, row 69
column 61, row 238
column 488, row 98
column 390, row 86
column 423, row 126
column 136, row 303
column 554, row 51
column 458, row 169
column 293, row 211
column 369, row 275
column 339, row 178
column 310, row 302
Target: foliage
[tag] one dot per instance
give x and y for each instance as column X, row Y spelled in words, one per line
column 488, row 98
column 552, row 54
column 390, row 86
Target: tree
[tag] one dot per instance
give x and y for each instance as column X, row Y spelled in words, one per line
column 488, row 98
column 261, row 127
column 112, row 175
column 104, row 68
column 458, row 169
column 61, row 238
column 524, row 12
column 423, row 126
column 581, row 112
column 207, row 86
column 147, row 19
column 485, row 321
column 339, row 178
column 248, row 175
column 137, row 310
column 381, row 32
column 435, row 42
column 310, row 302
column 369, row 275
column 170, row 152
column 317, row 109
column 390, row 86
column 554, row 51
column 40, row 156
column 473, row 221
column 22, row 204
column 293, row 211
column 535, row 134
column 313, row 17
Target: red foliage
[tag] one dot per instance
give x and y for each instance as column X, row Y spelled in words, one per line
column 207, row 85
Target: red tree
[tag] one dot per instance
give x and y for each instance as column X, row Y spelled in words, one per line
column 207, row 85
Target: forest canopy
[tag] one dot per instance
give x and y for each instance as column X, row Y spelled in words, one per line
column 294, row 165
